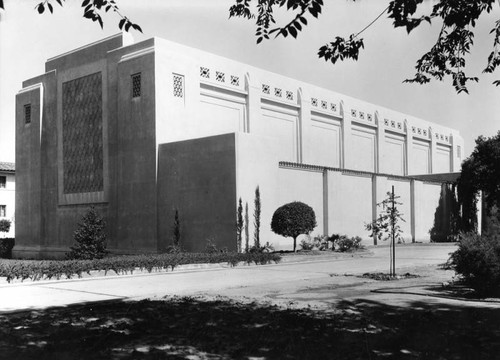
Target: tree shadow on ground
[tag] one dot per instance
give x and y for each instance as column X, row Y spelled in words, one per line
column 180, row 328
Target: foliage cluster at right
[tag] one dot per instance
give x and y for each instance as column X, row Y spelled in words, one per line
column 477, row 262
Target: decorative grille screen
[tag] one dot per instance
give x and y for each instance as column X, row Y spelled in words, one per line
column 27, row 113
column 136, row 85
column 82, row 135
column 178, row 81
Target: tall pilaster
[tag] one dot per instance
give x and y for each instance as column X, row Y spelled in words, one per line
column 408, row 147
column 304, row 152
column 380, row 143
column 253, row 103
column 433, row 162
column 347, row 144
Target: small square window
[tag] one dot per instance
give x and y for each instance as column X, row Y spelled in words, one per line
column 136, row 85
column 235, row 80
column 27, row 114
column 204, row 72
column 220, row 76
column 3, row 182
column 3, row 210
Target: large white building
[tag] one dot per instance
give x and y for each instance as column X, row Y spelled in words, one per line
column 7, row 195
column 139, row 130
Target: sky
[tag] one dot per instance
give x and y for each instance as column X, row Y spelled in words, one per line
column 28, row 39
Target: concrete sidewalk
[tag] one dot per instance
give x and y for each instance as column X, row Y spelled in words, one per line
column 280, row 282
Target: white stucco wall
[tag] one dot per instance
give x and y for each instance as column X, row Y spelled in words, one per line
column 312, row 125
column 7, row 198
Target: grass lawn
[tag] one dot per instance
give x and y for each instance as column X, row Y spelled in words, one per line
column 196, row 328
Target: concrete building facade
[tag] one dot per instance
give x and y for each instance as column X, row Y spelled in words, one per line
column 7, row 195
column 141, row 129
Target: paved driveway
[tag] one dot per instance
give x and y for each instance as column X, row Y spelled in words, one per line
column 301, row 280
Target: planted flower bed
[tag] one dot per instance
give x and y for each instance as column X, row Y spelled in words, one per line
column 49, row 269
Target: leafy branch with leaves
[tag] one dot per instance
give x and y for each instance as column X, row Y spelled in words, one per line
column 446, row 58
column 386, row 226
column 92, row 10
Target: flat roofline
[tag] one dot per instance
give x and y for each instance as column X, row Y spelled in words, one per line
column 85, row 46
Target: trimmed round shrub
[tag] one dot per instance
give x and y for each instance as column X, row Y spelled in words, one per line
column 477, row 262
column 292, row 220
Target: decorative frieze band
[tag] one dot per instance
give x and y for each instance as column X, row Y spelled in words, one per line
column 219, row 76
column 362, row 115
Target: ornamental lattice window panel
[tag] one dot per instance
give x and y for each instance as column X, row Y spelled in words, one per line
column 370, row 117
column 235, row 80
column 314, row 102
column 82, row 135
column 289, row 95
column 353, row 113
column 277, row 92
column 178, row 82
column 136, row 85
column 324, row 105
column 27, row 113
column 333, row 107
column 386, row 122
column 265, row 89
column 361, row 115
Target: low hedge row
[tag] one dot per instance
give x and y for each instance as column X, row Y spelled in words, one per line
column 48, row 269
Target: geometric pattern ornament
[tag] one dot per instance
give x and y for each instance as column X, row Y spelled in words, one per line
column 178, row 81
column 82, row 135
column 136, row 85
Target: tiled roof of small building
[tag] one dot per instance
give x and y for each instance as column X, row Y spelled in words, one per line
column 7, row 166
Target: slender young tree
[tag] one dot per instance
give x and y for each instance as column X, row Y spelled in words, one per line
column 386, row 226
column 388, row 223
column 256, row 218
column 247, row 233
column 239, row 225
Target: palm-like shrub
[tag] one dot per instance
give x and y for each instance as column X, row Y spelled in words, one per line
column 292, row 220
